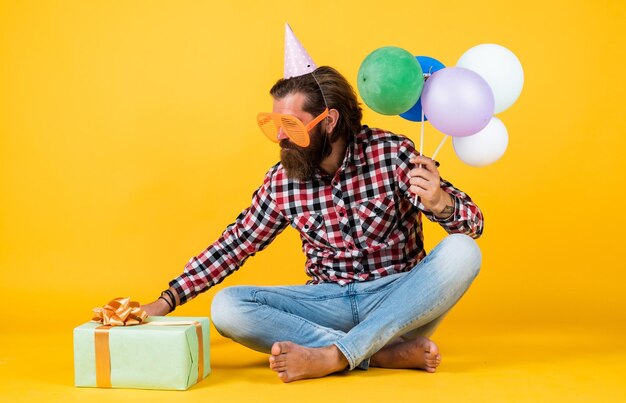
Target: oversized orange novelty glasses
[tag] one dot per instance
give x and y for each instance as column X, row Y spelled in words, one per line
column 298, row 132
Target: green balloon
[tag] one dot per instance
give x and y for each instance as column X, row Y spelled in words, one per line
column 390, row 80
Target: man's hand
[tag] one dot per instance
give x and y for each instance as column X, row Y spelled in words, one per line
column 426, row 183
column 156, row 308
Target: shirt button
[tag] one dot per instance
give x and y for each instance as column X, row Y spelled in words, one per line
column 341, row 214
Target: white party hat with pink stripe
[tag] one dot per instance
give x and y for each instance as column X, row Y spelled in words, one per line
column 297, row 60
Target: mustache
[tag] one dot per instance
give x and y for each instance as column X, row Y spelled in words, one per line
column 286, row 144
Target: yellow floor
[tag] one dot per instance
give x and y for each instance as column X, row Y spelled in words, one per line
column 480, row 364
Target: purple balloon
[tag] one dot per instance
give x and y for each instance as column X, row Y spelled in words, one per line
column 458, row 101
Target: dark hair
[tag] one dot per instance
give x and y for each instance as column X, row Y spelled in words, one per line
column 338, row 92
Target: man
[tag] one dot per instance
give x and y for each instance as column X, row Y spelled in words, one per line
column 374, row 296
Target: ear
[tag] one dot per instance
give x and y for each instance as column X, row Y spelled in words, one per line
column 331, row 120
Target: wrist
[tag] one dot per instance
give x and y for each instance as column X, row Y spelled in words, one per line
column 445, row 207
column 156, row 308
column 162, row 307
column 170, row 298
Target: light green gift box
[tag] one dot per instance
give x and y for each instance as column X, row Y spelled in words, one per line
column 155, row 355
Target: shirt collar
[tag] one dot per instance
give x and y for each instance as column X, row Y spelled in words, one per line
column 356, row 149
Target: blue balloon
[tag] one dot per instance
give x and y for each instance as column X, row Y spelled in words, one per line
column 429, row 66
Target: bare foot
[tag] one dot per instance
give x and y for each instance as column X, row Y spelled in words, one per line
column 293, row 362
column 420, row 353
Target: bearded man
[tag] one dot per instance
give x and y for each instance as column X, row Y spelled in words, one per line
column 357, row 196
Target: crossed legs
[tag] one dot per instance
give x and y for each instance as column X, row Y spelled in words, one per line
column 311, row 331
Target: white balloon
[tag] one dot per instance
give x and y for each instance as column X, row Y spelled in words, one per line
column 500, row 68
column 484, row 147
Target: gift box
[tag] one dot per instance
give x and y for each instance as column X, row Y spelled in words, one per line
column 159, row 353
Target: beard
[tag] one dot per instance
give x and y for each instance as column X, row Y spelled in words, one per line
column 300, row 163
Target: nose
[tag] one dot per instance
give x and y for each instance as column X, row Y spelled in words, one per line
column 281, row 134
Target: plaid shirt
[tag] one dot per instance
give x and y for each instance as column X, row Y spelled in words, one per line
column 358, row 225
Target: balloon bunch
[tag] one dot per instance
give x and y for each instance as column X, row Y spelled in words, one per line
column 458, row 101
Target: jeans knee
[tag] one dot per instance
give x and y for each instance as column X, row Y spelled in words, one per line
column 467, row 254
column 224, row 310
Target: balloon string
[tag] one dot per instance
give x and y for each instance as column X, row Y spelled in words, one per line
column 422, row 135
column 421, row 147
column 440, row 145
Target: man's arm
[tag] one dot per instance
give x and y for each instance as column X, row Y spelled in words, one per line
column 163, row 305
column 443, row 203
column 254, row 229
column 440, row 201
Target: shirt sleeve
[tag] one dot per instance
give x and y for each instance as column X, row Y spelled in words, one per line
column 253, row 230
column 467, row 217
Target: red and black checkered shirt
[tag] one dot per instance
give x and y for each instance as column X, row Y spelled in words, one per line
column 358, row 225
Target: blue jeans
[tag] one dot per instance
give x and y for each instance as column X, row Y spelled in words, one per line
column 359, row 318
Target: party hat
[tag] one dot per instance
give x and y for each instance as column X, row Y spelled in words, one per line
column 297, row 60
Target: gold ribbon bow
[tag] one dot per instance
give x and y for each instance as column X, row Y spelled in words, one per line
column 124, row 312
column 120, row 312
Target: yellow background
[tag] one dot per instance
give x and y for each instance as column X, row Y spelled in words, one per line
column 128, row 142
